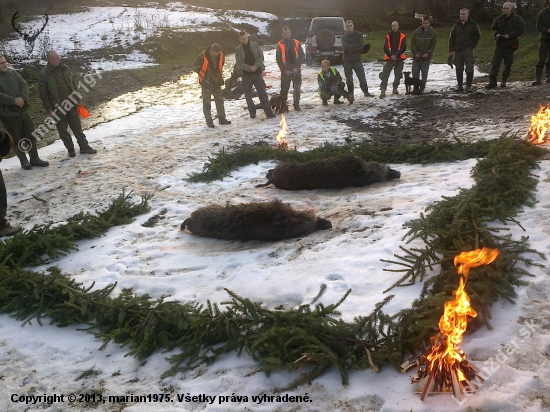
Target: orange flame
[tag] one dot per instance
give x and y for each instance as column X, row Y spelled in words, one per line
column 454, row 321
column 281, row 141
column 540, row 124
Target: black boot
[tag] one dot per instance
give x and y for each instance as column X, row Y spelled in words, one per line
column 492, row 82
column 23, row 159
column 35, row 160
column 469, row 79
column 459, row 80
column 548, row 73
column 365, row 89
column 503, row 82
column 538, row 76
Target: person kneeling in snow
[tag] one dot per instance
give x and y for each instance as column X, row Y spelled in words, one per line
column 209, row 66
column 331, row 84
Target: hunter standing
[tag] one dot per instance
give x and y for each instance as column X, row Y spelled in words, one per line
column 463, row 40
column 423, row 44
column 506, row 29
column 290, row 58
column 14, row 115
column 57, row 88
column 209, row 66
column 249, row 60
column 395, row 45
column 352, row 42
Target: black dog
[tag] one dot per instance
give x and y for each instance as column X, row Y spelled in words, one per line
column 411, row 81
column 278, row 104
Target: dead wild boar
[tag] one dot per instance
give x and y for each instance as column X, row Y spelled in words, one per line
column 254, row 221
column 329, row 173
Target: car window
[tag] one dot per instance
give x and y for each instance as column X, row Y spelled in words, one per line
column 332, row 24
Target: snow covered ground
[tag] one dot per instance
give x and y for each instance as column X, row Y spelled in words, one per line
column 152, row 151
column 101, row 27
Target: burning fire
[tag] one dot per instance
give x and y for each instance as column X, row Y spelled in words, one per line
column 540, row 124
column 445, row 368
column 281, row 141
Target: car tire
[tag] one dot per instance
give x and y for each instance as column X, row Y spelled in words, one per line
column 325, row 39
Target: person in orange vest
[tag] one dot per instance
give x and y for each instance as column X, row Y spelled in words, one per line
column 290, row 58
column 395, row 45
column 209, row 66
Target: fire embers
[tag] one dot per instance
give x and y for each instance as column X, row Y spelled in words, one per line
column 445, row 368
column 540, row 126
column 253, row 221
column 330, row 173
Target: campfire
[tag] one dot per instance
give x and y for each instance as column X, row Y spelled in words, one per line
column 445, row 368
column 540, row 126
column 281, row 141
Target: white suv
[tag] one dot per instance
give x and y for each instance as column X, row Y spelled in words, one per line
column 324, row 39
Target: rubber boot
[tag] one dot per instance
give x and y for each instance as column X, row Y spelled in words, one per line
column 538, row 76
column 469, row 78
column 35, row 160
column 23, row 159
column 503, row 82
column 382, row 93
column 395, row 91
column 460, row 81
column 492, row 82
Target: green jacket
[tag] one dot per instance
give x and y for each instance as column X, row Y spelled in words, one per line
column 47, row 87
column 258, row 55
column 543, row 24
column 12, row 85
column 352, row 44
column 464, row 36
column 512, row 26
column 423, row 41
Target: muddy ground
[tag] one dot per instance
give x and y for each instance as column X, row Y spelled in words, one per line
column 437, row 114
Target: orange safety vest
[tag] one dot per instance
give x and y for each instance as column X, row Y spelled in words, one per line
column 283, row 51
column 388, row 39
column 204, row 67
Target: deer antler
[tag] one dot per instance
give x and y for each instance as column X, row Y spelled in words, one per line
column 29, row 38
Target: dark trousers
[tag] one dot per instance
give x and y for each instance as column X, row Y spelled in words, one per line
column 19, row 127
column 544, row 55
column 257, row 81
column 3, row 202
column 397, row 67
column 421, row 65
column 296, row 80
column 502, row 54
column 349, row 68
column 207, row 103
column 464, row 59
column 72, row 120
